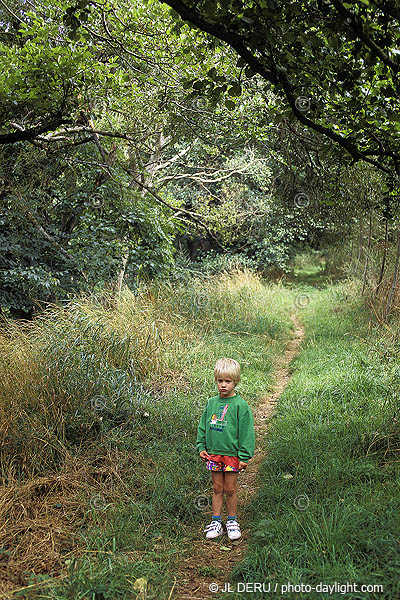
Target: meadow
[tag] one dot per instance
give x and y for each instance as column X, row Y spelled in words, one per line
column 101, row 485
column 329, row 493
column 102, row 491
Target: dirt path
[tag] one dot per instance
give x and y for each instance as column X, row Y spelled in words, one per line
column 209, row 562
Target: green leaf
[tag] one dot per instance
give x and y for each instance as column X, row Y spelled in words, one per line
column 208, row 9
column 235, row 90
column 198, row 85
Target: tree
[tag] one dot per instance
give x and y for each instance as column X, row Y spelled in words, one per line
column 335, row 65
column 123, row 129
column 81, row 199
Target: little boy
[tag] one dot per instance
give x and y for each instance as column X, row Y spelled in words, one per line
column 226, row 442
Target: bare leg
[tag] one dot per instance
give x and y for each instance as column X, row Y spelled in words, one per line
column 230, row 489
column 218, row 491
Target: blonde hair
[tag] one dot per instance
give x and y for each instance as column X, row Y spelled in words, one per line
column 228, row 367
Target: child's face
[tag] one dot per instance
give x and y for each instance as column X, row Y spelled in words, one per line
column 226, row 386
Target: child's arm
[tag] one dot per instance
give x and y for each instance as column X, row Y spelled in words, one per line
column 247, row 440
column 201, row 436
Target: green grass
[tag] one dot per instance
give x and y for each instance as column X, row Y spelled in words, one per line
column 117, row 388
column 327, row 509
column 119, row 385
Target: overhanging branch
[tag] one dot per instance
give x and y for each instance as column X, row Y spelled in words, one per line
column 357, row 27
column 30, row 134
column 275, row 75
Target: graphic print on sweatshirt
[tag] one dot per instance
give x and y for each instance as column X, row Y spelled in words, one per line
column 217, row 420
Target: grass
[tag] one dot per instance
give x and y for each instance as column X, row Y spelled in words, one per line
column 99, row 405
column 101, row 487
column 327, row 509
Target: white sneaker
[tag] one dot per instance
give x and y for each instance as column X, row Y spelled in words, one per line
column 214, row 529
column 233, row 529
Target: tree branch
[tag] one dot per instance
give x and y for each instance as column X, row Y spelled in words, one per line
column 16, row 17
column 114, row 134
column 357, row 27
column 30, row 134
column 50, row 239
column 177, row 210
column 196, row 176
column 276, row 76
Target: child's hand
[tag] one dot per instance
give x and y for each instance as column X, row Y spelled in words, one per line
column 204, row 455
column 242, row 465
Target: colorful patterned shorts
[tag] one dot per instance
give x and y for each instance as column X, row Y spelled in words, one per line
column 218, row 466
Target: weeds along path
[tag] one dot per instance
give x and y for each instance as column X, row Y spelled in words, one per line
column 210, row 562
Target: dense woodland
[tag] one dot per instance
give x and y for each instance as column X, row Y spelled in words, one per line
column 141, row 140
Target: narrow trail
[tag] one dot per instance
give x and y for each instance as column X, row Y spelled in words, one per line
column 208, row 556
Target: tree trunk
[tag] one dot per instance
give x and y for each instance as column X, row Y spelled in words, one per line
column 121, row 275
column 359, row 249
column 383, row 258
column 367, row 251
column 394, row 280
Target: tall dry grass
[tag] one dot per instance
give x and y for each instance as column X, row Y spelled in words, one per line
column 98, row 400
column 75, row 371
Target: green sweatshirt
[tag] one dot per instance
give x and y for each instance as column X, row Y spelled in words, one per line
column 226, row 427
